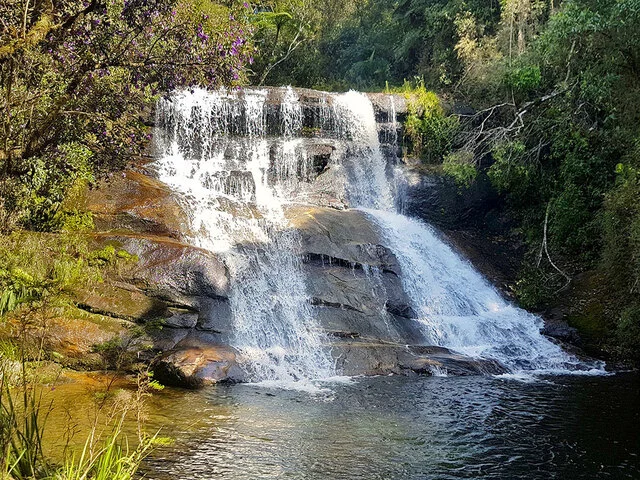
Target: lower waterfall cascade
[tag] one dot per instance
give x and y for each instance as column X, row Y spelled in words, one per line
column 238, row 159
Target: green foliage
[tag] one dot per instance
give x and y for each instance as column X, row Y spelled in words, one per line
column 509, row 172
column 621, row 252
column 23, row 418
column 628, row 332
column 533, row 287
column 19, row 287
column 341, row 44
column 78, row 79
column 429, row 129
column 46, row 267
column 35, row 196
column 524, row 80
column 21, row 431
column 460, row 165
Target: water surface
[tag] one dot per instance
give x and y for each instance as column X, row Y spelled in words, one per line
column 405, row 428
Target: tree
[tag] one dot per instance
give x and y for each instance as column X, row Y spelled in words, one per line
column 76, row 77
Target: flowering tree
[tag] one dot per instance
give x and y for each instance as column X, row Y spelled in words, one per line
column 76, row 77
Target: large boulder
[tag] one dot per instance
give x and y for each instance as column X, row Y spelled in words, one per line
column 193, row 364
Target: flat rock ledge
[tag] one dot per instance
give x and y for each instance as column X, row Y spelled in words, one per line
column 194, row 363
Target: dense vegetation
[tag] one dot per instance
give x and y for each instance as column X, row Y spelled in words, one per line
column 555, row 89
column 78, row 80
column 77, row 77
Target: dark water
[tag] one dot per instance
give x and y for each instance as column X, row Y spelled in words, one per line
column 407, row 428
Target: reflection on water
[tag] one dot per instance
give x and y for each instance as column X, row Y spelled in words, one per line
column 405, row 428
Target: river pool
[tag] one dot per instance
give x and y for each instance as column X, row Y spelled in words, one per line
column 569, row 427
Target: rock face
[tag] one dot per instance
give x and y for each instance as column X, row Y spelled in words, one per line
column 354, row 281
column 182, row 293
column 135, row 202
column 438, row 200
column 354, row 287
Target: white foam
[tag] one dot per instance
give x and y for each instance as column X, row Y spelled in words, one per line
column 212, row 148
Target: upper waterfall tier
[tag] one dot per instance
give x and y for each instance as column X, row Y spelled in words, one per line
column 315, row 109
column 317, row 147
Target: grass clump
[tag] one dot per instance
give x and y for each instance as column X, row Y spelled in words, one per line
column 428, row 129
column 106, row 453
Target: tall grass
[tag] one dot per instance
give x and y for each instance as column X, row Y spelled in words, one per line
column 115, row 460
column 23, row 418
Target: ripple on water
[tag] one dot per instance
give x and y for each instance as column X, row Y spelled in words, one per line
column 414, row 428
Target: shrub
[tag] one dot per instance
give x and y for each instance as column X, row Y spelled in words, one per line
column 460, row 165
column 509, row 173
column 429, row 129
column 37, row 267
column 628, row 332
column 524, row 80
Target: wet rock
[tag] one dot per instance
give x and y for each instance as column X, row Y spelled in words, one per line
column 197, row 364
column 385, row 104
column 180, row 318
column 379, row 327
column 438, row 200
column 358, row 356
column 135, row 202
column 353, row 281
column 430, row 360
column 401, row 310
column 345, row 235
column 555, row 326
column 169, row 270
column 73, row 337
column 165, row 339
column 215, row 315
column 329, row 189
column 120, row 300
column 363, row 357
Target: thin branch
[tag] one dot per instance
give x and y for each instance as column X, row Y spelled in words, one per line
column 544, row 247
column 295, row 43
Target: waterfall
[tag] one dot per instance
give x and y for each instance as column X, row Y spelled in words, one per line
column 238, row 159
column 213, row 149
column 368, row 186
column 456, row 306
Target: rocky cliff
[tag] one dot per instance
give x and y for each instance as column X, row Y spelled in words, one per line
column 183, row 294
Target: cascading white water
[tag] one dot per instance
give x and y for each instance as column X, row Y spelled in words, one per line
column 217, row 149
column 237, row 211
column 368, row 186
column 457, row 307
